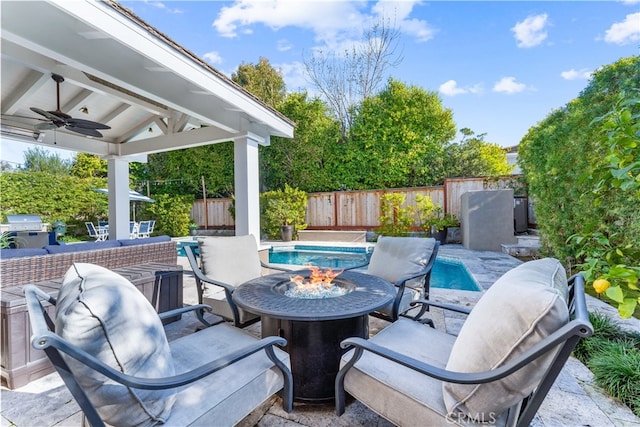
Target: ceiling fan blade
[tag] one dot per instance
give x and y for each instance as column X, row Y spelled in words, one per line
column 86, row 124
column 46, row 114
column 46, row 126
column 84, row 131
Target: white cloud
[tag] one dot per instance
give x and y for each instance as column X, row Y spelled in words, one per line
column 161, row 5
column 332, row 22
column 625, row 32
column 630, row 2
column 531, row 32
column 213, row 57
column 576, row 74
column 451, row 88
column 509, row 86
column 284, row 45
column 293, row 75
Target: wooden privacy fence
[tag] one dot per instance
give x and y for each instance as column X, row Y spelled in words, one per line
column 358, row 210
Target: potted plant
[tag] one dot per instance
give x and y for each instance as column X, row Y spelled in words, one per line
column 284, row 212
column 433, row 219
column 193, row 228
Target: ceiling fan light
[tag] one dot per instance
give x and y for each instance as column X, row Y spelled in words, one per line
column 84, row 110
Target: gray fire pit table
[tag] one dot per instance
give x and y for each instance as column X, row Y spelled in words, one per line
column 314, row 328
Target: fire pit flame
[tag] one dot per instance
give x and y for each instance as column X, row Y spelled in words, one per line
column 319, row 285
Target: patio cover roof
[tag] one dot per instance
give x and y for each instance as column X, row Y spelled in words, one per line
column 154, row 94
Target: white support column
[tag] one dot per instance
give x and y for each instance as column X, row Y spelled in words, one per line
column 118, row 172
column 247, row 185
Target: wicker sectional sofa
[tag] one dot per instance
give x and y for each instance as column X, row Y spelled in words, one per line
column 150, row 264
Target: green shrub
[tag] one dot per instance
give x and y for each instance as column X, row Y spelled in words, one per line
column 616, row 368
column 395, row 220
column 613, row 355
column 172, row 214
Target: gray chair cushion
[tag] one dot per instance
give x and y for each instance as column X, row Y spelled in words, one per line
column 397, row 257
column 227, row 396
column 523, row 307
column 104, row 314
column 232, row 260
column 402, row 395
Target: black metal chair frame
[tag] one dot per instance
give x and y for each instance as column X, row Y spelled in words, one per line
column 228, row 289
column 401, row 285
column 44, row 338
column 566, row 338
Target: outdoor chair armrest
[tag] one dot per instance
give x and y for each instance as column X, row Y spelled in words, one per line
column 357, row 266
column 197, row 309
column 273, row 267
column 450, row 307
column 47, row 339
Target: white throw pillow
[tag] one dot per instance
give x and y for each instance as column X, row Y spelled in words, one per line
column 523, row 307
column 104, row 314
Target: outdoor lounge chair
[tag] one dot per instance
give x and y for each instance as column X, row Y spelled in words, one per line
column 144, row 229
column 406, row 262
column 100, row 234
column 498, row 369
column 109, row 346
column 226, row 262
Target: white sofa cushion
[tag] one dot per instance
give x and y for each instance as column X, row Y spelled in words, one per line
column 524, row 306
column 104, row 314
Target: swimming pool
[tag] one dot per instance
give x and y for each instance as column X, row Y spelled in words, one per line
column 447, row 273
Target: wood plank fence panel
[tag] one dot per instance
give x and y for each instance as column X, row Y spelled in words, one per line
column 359, row 209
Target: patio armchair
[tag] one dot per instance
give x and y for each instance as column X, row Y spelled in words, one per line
column 100, row 234
column 498, row 369
column 109, row 346
column 144, row 229
column 225, row 263
column 407, row 263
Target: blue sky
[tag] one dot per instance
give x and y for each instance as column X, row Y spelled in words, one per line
column 500, row 66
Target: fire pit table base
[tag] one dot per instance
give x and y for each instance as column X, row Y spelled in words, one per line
column 314, row 349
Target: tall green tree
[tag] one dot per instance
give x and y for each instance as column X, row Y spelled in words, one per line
column 38, row 159
column 262, row 80
column 398, row 139
column 473, row 156
column 304, row 160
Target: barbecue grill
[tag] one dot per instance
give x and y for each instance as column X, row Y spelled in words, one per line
column 28, row 231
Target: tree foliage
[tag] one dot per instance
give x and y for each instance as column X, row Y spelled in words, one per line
column 346, row 78
column 38, row 159
column 473, row 156
column 280, row 207
column 305, row 161
column 172, row 214
column 88, row 165
column 262, row 80
column 397, row 140
column 54, row 197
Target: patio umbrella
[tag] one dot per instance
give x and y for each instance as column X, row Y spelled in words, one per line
column 134, row 196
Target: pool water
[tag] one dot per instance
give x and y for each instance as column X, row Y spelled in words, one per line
column 321, row 256
column 447, row 273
